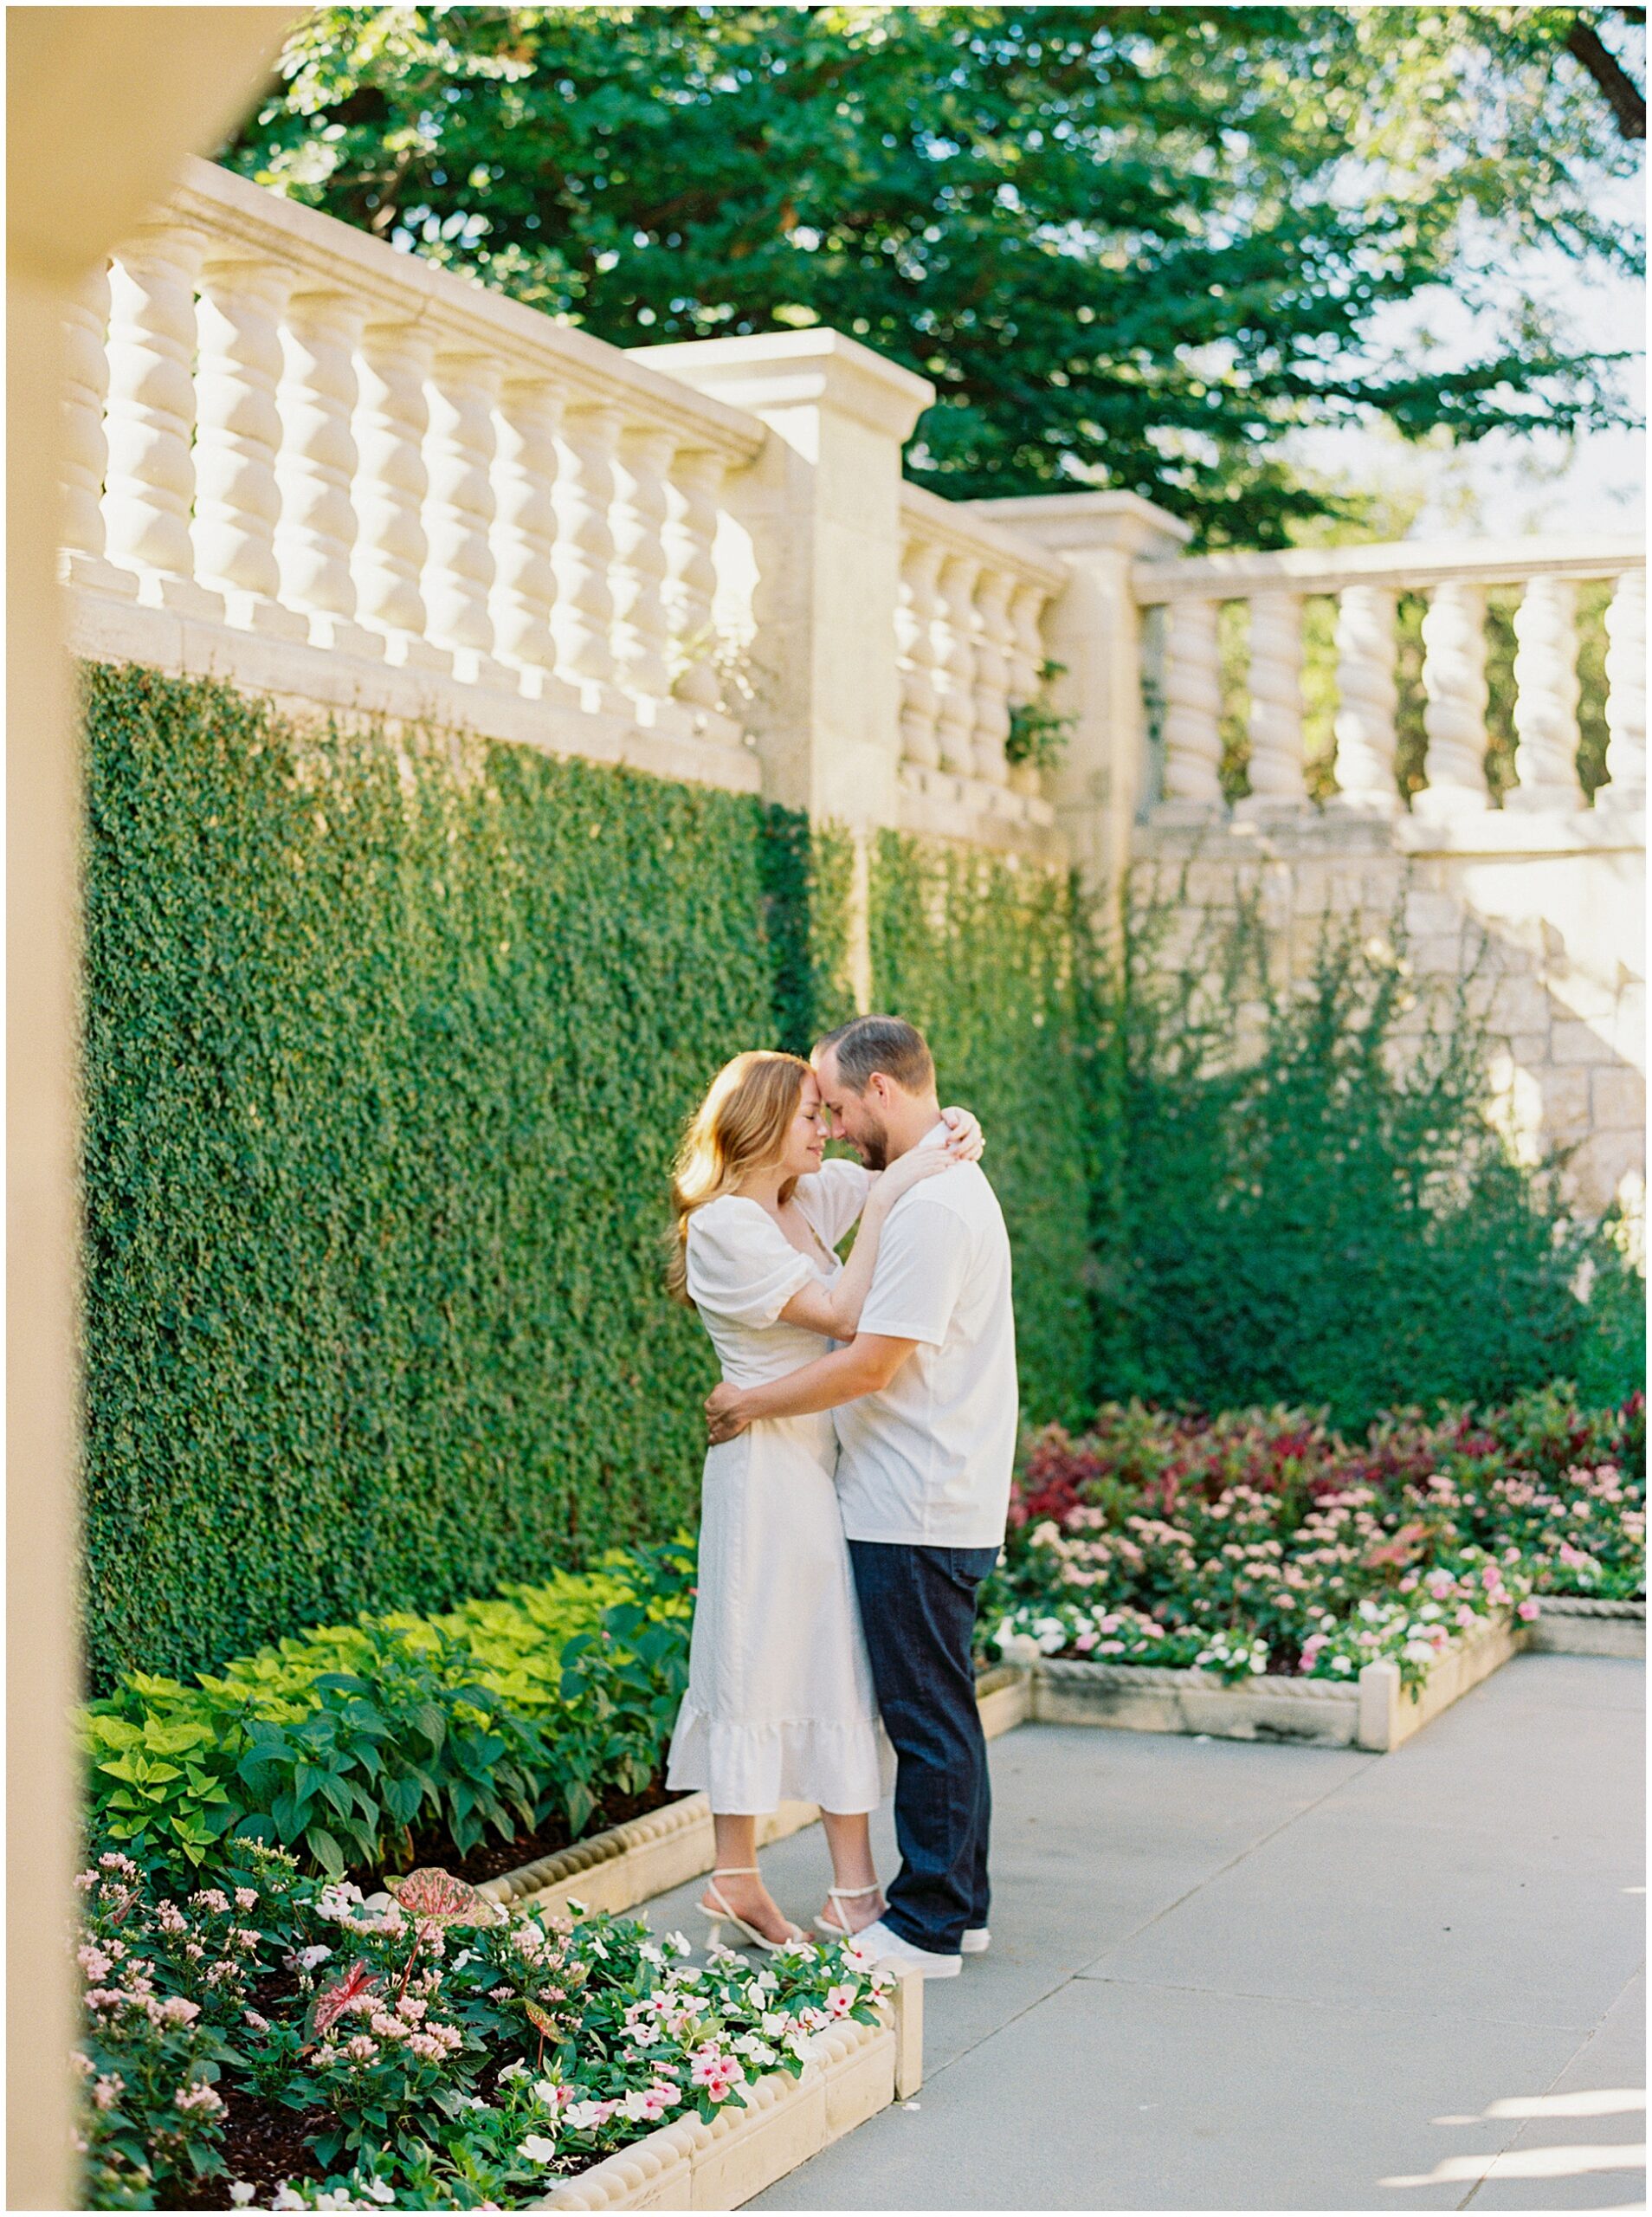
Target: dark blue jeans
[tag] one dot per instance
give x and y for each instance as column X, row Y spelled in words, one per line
column 917, row 1605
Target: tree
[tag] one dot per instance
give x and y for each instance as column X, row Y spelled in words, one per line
column 1131, row 246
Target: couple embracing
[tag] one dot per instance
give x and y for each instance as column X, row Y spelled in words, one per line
column 856, row 1485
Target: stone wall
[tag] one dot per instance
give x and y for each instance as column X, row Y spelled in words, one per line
column 1545, row 917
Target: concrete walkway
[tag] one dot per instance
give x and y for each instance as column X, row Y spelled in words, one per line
column 1226, row 1976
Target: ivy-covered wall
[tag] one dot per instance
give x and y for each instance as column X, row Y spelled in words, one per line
column 388, row 1048
column 387, row 1054
column 979, row 951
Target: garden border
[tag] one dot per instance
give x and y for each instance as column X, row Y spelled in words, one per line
column 1574, row 1623
column 631, row 1863
column 1373, row 1712
column 719, row 2164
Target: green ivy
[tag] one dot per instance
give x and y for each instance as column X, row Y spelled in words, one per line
column 977, row 950
column 1299, row 1195
column 388, row 1047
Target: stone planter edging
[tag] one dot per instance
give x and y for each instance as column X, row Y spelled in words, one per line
column 695, row 2165
column 1372, row 1711
column 630, row 1863
column 1574, row 1624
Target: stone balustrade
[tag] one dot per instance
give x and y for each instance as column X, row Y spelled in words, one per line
column 1366, row 583
column 969, row 629
column 335, row 472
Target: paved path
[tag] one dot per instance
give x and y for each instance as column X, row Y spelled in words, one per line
column 1236, row 1977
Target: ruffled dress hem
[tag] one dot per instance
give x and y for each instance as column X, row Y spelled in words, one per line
column 748, row 1770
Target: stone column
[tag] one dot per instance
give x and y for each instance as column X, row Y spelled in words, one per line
column 150, row 492
column 316, row 467
column 1367, row 777
column 693, row 490
column 524, row 584
column 238, row 436
column 1276, row 780
column 392, row 421
column 1545, row 697
column 1093, row 627
column 1454, row 686
column 822, row 503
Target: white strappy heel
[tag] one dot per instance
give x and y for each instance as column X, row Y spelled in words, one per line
column 721, row 1914
column 839, row 1894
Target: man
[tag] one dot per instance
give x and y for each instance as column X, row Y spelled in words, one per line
column 926, row 1406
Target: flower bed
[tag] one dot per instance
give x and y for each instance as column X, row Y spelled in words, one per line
column 272, row 2038
column 1262, row 1544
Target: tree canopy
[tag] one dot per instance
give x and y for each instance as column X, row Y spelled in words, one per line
column 1129, row 246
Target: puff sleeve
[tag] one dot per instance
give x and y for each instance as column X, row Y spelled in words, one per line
column 833, row 1197
column 741, row 1265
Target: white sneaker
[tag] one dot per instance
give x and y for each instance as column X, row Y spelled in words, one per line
column 977, row 1940
column 877, row 1944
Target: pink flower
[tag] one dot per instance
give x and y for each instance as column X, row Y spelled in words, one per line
column 196, row 2099
column 1527, row 1608
column 1465, row 1616
column 841, row 2000
column 177, row 2011
column 717, row 2073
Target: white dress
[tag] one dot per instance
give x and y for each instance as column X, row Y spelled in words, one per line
column 779, row 1704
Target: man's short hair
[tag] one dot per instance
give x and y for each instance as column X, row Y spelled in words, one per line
column 888, row 1043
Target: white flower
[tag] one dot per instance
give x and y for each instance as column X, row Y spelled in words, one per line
column 380, row 2191
column 284, row 2198
column 513, row 2071
column 545, row 2089
column 678, row 1944
column 537, row 2150
column 241, row 2193
column 308, row 1958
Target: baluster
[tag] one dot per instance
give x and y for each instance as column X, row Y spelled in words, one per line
column 955, row 664
column 1368, row 696
column 524, row 588
column 583, row 551
column 85, row 449
column 992, row 644
column 915, row 616
column 150, row 482
column 459, row 514
column 1276, row 778
column 1192, row 684
column 1027, row 669
column 1626, row 694
column 690, row 590
column 1455, row 691
column 392, row 419
column 638, row 523
column 238, row 501
column 1545, row 697
column 315, row 467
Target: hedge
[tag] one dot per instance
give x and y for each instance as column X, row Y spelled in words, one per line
column 979, row 951
column 389, row 1041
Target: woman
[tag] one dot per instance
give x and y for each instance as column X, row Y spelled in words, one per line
column 779, row 1704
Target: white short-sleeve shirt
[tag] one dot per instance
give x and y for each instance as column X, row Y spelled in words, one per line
column 928, row 1460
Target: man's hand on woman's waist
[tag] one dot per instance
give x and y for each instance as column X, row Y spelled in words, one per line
column 865, row 1365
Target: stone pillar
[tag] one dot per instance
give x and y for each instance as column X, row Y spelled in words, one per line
column 822, row 503
column 1093, row 628
column 101, row 105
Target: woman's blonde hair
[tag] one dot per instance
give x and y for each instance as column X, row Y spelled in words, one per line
column 739, row 1126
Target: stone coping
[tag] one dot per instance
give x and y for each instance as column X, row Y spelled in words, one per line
column 1373, row 1712
column 692, row 2164
column 1575, row 1624
column 630, row 1863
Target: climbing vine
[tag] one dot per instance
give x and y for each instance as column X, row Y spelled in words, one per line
column 388, row 1046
